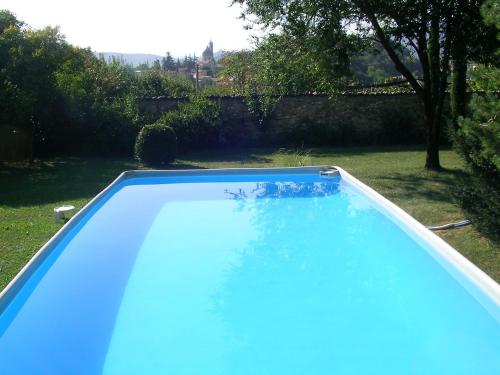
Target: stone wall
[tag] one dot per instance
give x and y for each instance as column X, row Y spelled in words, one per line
column 316, row 120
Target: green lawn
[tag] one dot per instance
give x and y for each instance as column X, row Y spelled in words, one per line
column 28, row 194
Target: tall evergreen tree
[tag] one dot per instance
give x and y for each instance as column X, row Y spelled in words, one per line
column 168, row 63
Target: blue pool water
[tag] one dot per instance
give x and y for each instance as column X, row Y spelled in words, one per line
column 256, row 274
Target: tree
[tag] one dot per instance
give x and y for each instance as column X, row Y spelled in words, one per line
column 474, row 41
column 282, row 64
column 153, row 83
column 189, row 62
column 168, row 63
column 373, row 66
column 143, row 67
column 477, row 139
column 238, row 70
column 28, row 61
column 426, row 27
column 156, row 65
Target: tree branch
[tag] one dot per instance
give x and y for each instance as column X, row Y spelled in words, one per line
column 398, row 64
column 414, row 45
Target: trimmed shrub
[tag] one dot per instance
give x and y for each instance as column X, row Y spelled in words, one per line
column 156, row 144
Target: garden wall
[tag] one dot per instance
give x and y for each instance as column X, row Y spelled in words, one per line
column 314, row 120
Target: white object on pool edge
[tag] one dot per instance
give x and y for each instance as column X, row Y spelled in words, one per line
column 60, row 212
column 330, row 172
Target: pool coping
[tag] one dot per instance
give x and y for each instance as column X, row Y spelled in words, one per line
column 444, row 251
column 470, row 276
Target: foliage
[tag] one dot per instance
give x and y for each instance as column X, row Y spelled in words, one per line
column 274, row 69
column 56, row 94
column 154, row 82
column 282, row 65
column 28, row 60
column 478, row 140
column 478, row 136
column 156, row 144
column 426, row 28
column 168, row 63
column 59, row 93
column 474, row 41
column 97, row 106
column 382, row 89
column 189, row 62
column 217, row 89
column 239, row 70
column 373, row 66
column 479, row 198
column 195, row 123
column 299, row 157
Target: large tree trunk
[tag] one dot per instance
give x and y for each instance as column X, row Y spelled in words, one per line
column 432, row 95
column 432, row 123
column 432, row 158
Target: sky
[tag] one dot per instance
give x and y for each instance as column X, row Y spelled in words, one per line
column 145, row 26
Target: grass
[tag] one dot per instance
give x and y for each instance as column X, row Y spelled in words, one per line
column 29, row 193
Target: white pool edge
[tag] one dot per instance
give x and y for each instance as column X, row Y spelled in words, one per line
column 460, row 265
column 18, row 281
column 10, row 290
column 476, row 276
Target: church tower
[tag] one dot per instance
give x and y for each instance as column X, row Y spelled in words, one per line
column 208, row 54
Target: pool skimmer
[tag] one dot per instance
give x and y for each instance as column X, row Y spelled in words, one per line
column 63, row 213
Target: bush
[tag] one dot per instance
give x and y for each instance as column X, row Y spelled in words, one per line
column 479, row 198
column 196, row 123
column 477, row 139
column 156, row 144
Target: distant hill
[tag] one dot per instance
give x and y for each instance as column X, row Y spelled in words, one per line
column 133, row 59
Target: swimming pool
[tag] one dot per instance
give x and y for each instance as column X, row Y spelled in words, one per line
column 268, row 271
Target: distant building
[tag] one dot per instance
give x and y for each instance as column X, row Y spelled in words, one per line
column 208, row 66
column 207, row 57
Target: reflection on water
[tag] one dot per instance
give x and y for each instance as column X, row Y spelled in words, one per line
column 285, row 190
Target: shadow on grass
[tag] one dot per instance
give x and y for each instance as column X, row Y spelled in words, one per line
column 181, row 165
column 243, row 155
column 61, row 180
column 261, row 155
column 362, row 150
column 435, row 186
column 67, row 179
